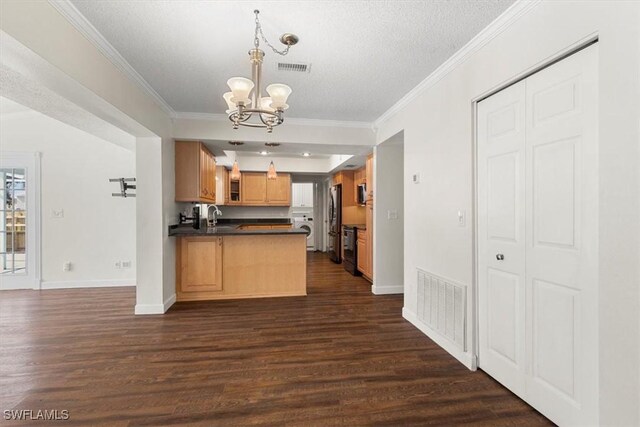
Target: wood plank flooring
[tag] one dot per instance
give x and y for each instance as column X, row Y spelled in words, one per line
column 340, row 356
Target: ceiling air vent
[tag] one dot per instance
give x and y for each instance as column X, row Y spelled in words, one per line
column 296, row 67
column 349, row 166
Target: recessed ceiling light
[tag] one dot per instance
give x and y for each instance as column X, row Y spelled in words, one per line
column 264, row 152
column 306, row 154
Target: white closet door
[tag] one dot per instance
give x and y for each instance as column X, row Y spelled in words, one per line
column 501, row 236
column 562, row 239
column 538, row 208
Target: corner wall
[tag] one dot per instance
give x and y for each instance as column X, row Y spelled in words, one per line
column 97, row 230
column 438, row 133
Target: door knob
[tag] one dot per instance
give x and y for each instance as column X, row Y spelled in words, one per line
column 499, row 257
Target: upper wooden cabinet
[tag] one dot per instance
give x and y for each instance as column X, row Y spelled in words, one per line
column 257, row 190
column 369, row 178
column 195, row 173
column 254, row 188
column 279, row 190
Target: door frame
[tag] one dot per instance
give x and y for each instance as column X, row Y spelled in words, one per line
column 31, row 161
column 475, row 300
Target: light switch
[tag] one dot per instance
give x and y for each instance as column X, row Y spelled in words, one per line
column 392, row 214
column 416, row 178
column 57, row 213
column 462, row 218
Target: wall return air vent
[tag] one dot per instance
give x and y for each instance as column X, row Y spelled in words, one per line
column 296, row 67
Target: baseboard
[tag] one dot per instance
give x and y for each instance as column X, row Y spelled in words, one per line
column 463, row 357
column 387, row 290
column 169, row 302
column 72, row 284
column 155, row 308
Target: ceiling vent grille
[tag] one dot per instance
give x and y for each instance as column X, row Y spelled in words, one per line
column 349, row 166
column 296, row 67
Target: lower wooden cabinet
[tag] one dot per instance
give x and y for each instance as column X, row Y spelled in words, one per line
column 199, row 266
column 362, row 253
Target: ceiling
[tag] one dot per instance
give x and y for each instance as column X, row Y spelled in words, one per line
column 294, row 150
column 364, row 55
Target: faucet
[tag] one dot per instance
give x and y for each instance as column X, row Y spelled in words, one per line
column 212, row 215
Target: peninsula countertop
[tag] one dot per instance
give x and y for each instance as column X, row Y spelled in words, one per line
column 232, row 227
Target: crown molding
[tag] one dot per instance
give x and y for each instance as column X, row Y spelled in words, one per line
column 497, row 26
column 77, row 19
column 290, row 120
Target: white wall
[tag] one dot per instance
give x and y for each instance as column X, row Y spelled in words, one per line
column 438, row 133
column 97, row 230
column 388, row 277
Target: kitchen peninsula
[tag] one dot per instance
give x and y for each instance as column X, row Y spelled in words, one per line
column 243, row 259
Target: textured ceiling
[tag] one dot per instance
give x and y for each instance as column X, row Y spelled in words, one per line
column 364, row 55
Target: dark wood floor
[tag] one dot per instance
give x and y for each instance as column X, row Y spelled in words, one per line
column 340, row 356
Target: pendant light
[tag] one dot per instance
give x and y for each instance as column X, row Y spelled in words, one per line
column 235, row 171
column 271, row 173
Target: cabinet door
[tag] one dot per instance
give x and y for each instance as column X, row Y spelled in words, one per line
column 369, row 242
column 254, row 188
column 279, row 190
column 211, row 176
column 362, row 254
column 204, row 173
column 369, row 177
column 200, row 264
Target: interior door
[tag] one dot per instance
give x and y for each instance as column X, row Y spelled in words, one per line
column 538, row 238
column 501, row 235
column 562, row 239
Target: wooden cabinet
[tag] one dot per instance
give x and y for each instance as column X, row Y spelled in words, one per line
column 362, row 253
column 195, row 169
column 254, row 188
column 369, row 177
column 279, row 190
column 257, row 190
column 199, row 266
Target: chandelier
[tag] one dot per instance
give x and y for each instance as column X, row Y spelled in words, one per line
column 247, row 108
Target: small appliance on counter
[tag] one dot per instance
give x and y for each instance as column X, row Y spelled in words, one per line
column 194, row 218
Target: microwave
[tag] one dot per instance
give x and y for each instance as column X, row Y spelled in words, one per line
column 362, row 194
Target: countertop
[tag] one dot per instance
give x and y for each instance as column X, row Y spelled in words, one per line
column 358, row 226
column 229, row 227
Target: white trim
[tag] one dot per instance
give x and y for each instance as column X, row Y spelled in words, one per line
column 501, row 23
column 169, row 302
column 387, row 290
column 78, row 20
column 467, row 359
column 142, row 309
column 289, row 120
column 74, row 284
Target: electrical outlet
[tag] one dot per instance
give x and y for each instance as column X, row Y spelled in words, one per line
column 57, row 213
column 416, row 178
column 126, row 264
column 66, row 266
column 392, row 214
column 118, row 264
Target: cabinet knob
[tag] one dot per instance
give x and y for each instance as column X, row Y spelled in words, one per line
column 500, row 257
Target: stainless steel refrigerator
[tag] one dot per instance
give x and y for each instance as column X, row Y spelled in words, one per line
column 335, row 223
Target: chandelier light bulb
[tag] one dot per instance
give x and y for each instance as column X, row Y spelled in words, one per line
column 241, row 88
column 265, row 103
column 279, row 94
column 227, row 98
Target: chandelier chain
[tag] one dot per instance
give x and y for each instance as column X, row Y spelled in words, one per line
column 256, row 40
